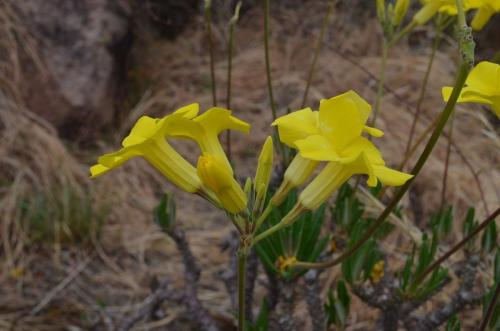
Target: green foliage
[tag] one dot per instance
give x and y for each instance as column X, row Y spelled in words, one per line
column 416, row 265
column 469, row 225
column 65, row 216
column 494, row 323
column 489, row 238
column 453, row 324
column 165, row 211
column 337, row 306
column 347, row 209
column 360, row 264
column 262, row 321
column 441, row 223
column 302, row 239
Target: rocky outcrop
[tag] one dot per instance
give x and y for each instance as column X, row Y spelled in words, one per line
column 83, row 45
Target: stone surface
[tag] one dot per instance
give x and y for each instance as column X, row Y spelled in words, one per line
column 82, row 44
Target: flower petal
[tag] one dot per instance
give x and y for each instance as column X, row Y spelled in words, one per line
column 97, row 170
column 373, row 131
column 485, row 78
column 145, row 128
column 217, row 119
column 317, row 148
column 362, row 145
column 341, row 120
column 189, row 111
column 116, row 159
column 297, row 125
column 390, row 176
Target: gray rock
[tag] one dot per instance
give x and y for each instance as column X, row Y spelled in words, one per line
column 82, row 44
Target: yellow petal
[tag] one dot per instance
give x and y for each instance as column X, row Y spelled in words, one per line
column 391, row 177
column 317, row 148
column 362, row 145
column 297, row 125
column 116, row 159
column 189, row 111
column 467, row 95
column 145, row 128
column 97, row 170
column 341, row 120
column 215, row 120
column 485, row 78
column 373, row 131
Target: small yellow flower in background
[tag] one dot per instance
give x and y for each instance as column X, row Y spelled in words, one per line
column 205, row 130
column 377, row 272
column 333, row 246
column 482, row 86
column 487, row 9
column 432, row 7
column 284, row 263
column 216, row 176
column 147, row 139
column 333, row 134
column 264, row 170
column 16, row 273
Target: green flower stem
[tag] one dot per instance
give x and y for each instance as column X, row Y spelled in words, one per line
column 208, row 24
column 455, row 248
column 491, row 308
column 381, row 82
column 317, row 50
column 423, row 89
column 242, row 266
column 450, row 105
column 447, row 162
column 289, row 218
column 263, row 216
column 401, row 34
column 232, row 24
column 268, row 60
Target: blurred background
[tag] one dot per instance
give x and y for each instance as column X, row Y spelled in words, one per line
column 81, row 254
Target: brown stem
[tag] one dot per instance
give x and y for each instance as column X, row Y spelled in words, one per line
column 491, row 308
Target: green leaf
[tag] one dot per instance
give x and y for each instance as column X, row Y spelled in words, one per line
column 164, row 212
column 488, row 241
column 453, row 324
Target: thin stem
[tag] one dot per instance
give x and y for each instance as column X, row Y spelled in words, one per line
column 491, row 308
column 263, row 216
column 423, row 89
column 381, row 82
column 419, row 141
column 242, row 266
column 406, row 30
column 447, row 162
column 317, row 50
column 208, row 24
column 232, row 24
column 268, row 61
column 455, row 248
column 287, row 220
column 450, row 105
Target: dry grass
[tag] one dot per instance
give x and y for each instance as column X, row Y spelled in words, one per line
column 106, row 276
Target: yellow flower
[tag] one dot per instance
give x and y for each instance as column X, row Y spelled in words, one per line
column 147, row 139
column 335, row 136
column 264, row 170
column 205, row 130
column 482, row 86
column 216, row 176
column 431, row 7
column 377, row 272
column 483, row 15
column 284, row 263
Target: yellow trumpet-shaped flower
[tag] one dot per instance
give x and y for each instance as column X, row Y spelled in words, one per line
column 147, row 139
column 216, row 176
column 431, row 7
column 482, row 86
column 205, row 130
column 484, row 13
column 335, row 136
column 264, row 170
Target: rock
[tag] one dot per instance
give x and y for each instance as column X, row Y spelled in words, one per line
column 82, row 44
